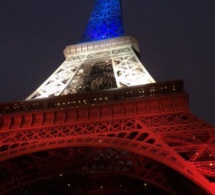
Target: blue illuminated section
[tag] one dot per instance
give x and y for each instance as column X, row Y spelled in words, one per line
column 105, row 21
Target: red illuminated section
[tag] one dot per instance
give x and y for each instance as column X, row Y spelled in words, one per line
column 151, row 121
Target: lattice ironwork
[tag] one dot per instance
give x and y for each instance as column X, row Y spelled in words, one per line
column 105, row 21
column 115, row 65
column 159, row 128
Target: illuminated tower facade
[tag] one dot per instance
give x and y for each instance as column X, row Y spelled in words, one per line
column 105, row 58
column 101, row 118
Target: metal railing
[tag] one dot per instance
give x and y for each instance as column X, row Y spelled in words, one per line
column 94, row 98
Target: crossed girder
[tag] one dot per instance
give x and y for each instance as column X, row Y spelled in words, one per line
column 158, row 129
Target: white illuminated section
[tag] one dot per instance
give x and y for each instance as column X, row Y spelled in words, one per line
column 119, row 52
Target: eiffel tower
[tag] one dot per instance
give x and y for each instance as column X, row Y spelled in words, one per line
column 101, row 119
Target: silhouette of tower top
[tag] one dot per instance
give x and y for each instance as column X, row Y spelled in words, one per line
column 105, row 21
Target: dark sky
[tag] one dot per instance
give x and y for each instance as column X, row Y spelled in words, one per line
column 176, row 38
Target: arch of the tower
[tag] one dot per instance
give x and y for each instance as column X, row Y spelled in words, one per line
column 94, row 163
column 127, row 135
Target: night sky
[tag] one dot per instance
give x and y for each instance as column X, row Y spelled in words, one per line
column 176, row 37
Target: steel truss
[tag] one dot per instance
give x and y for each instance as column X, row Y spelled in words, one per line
column 157, row 127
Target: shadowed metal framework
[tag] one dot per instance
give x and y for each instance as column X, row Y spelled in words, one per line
column 103, row 123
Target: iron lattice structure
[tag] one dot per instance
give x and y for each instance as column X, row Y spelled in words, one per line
column 105, row 22
column 145, row 132
column 103, row 125
column 111, row 63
